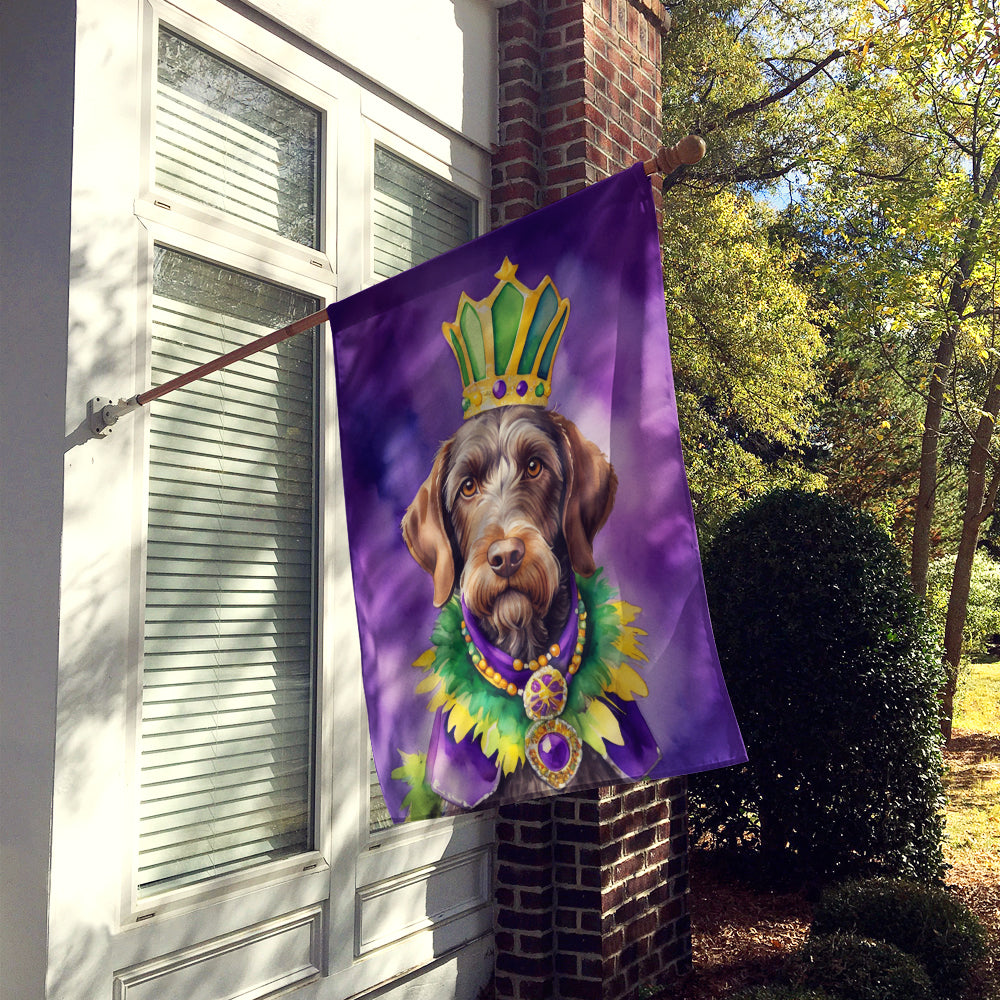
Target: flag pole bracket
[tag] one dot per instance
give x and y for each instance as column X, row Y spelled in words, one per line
column 103, row 413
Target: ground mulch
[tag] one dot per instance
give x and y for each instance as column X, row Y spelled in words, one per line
column 742, row 934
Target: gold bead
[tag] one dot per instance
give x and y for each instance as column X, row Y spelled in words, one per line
column 512, row 688
column 518, row 664
column 542, row 660
column 554, row 650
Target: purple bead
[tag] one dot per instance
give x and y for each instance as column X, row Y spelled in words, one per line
column 500, row 388
column 554, row 751
column 522, row 388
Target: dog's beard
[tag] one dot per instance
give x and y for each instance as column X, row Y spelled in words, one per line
column 512, row 611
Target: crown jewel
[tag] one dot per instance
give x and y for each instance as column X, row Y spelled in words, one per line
column 506, row 344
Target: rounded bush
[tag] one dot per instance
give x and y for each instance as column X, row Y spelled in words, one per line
column 924, row 921
column 856, row 968
column 833, row 672
column 782, row 993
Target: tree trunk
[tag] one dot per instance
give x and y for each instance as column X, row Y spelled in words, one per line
column 979, row 502
column 958, row 299
column 920, row 553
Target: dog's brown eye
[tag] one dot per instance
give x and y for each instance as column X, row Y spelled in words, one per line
column 468, row 487
column 534, row 467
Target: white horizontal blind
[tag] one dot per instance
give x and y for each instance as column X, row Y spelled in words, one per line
column 417, row 216
column 228, row 140
column 228, row 658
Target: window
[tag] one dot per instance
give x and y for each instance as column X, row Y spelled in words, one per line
column 250, row 810
column 227, row 140
column 229, row 648
column 228, row 679
column 416, row 216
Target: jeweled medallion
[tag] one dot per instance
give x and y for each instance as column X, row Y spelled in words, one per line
column 554, row 751
column 545, row 694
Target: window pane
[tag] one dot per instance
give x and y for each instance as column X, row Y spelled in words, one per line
column 417, row 215
column 228, row 140
column 228, row 657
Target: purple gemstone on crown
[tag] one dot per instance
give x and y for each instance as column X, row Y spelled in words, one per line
column 522, row 388
column 500, row 388
column 554, row 751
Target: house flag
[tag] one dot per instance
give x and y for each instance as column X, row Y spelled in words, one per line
column 527, row 580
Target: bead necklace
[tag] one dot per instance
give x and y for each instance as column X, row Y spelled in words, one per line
column 497, row 678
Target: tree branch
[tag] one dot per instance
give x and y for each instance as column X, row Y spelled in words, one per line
column 754, row 106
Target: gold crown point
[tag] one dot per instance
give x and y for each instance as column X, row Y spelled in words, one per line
column 508, row 271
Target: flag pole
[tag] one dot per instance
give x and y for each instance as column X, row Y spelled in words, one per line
column 103, row 413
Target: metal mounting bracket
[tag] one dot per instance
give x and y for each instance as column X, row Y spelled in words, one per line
column 103, row 413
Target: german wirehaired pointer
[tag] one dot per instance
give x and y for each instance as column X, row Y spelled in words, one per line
column 507, row 515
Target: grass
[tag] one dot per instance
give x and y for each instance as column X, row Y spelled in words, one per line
column 973, row 783
column 978, row 698
column 972, row 848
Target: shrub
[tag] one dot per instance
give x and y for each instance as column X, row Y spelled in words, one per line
column 856, row 968
column 782, row 993
column 833, row 673
column 925, row 922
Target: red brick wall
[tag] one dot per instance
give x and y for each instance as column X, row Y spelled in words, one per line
column 579, row 96
column 591, row 889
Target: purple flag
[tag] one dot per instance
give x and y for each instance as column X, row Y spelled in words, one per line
column 526, row 572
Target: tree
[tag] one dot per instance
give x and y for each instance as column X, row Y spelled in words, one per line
column 745, row 75
column 746, row 355
column 881, row 119
column 913, row 188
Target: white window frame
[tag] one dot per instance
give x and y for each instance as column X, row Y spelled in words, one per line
column 180, row 224
column 351, row 876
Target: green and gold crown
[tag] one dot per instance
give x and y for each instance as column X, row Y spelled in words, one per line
column 506, row 344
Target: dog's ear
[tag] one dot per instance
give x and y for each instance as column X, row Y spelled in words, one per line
column 591, row 484
column 425, row 534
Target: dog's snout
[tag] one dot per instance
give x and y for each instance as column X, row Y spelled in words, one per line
column 506, row 556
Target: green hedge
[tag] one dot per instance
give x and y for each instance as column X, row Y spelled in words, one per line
column 925, row 922
column 833, row 672
column 856, row 968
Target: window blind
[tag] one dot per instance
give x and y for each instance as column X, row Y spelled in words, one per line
column 228, row 653
column 416, row 216
column 228, row 140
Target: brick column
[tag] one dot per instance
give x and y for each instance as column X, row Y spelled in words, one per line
column 591, row 889
column 579, row 96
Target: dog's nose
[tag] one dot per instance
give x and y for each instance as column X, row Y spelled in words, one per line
column 505, row 556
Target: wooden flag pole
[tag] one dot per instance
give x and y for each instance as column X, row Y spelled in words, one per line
column 103, row 413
